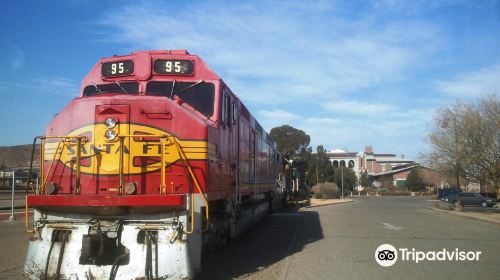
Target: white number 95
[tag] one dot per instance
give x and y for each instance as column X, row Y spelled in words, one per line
column 117, row 68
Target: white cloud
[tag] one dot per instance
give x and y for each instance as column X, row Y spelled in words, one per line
column 399, row 130
column 274, row 118
column 484, row 81
column 275, row 49
column 45, row 85
column 356, row 107
column 58, row 85
column 279, row 115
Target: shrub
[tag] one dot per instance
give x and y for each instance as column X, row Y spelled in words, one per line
column 325, row 190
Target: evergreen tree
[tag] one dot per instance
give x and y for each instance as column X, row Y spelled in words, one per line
column 319, row 167
column 364, row 180
column 414, row 181
column 349, row 178
column 290, row 141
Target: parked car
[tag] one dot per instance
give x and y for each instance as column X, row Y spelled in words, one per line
column 469, row 198
column 450, row 197
column 449, row 194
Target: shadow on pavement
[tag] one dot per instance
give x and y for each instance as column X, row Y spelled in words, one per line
column 273, row 239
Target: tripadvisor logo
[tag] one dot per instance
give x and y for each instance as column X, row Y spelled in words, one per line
column 387, row 255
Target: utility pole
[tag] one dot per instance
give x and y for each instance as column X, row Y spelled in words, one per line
column 317, row 176
column 12, row 217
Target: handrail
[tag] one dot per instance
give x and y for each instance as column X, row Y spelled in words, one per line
column 29, row 183
column 42, row 160
column 120, row 169
column 163, row 140
column 78, row 163
column 193, row 177
column 30, row 173
column 44, row 179
column 27, row 216
column 120, row 166
column 163, row 187
column 56, row 152
column 42, row 155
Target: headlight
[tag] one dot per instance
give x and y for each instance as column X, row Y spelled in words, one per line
column 130, row 188
column 110, row 135
column 110, row 122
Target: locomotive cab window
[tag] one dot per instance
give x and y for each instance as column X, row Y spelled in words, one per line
column 199, row 95
column 117, row 87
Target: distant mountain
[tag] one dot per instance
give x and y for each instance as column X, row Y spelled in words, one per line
column 14, row 157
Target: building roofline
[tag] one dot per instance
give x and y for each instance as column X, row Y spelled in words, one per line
column 342, row 154
column 384, row 155
column 395, row 171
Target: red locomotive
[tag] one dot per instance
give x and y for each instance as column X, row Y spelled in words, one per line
column 155, row 159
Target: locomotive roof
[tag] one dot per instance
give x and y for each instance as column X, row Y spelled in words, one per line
column 143, row 67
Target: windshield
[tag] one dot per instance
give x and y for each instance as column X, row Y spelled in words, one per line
column 125, row 88
column 199, row 95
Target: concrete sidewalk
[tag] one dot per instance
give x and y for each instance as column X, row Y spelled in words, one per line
column 493, row 218
column 322, row 202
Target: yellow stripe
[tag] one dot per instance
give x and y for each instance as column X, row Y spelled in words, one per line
column 104, row 156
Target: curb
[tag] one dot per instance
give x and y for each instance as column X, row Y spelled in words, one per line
column 332, row 203
column 460, row 214
column 15, row 207
column 18, row 216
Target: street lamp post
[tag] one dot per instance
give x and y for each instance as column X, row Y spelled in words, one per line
column 342, row 175
column 295, row 182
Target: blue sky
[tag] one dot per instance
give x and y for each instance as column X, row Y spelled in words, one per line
column 348, row 73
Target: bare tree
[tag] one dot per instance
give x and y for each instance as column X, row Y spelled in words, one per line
column 465, row 141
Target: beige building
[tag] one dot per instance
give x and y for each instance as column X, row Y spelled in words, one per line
column 390, row 170
column 368, row 161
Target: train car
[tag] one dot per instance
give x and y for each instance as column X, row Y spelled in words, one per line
column 154, row 161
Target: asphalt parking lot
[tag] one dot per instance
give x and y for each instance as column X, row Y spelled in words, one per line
column 332, row 242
